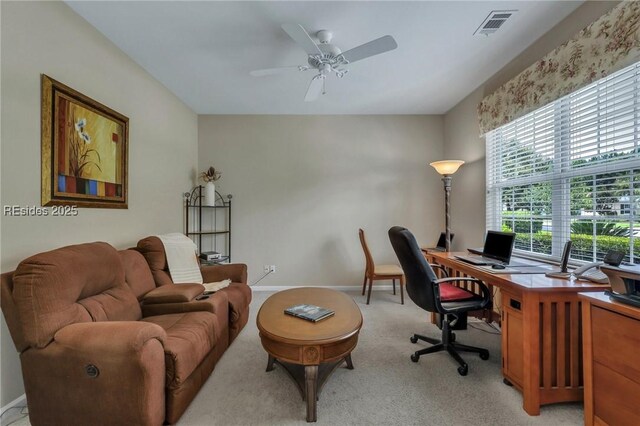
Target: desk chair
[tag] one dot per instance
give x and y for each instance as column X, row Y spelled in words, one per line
column 379, row 272
column 439, row 296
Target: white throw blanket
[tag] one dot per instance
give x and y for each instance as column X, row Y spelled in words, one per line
column 218, row 285
column 181, row 258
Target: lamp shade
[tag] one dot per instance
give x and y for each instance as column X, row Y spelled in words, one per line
column 447, row 167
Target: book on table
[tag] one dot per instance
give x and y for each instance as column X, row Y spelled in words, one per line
column 311, row 313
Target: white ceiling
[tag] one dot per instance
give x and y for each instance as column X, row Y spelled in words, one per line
column 203, row 51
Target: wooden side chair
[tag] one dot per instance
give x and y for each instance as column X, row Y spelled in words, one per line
column 374, row 272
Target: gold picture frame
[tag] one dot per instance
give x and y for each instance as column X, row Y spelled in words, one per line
column 85, row 147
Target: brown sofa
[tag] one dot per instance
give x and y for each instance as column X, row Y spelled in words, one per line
column 100, row 344
column 239, row 293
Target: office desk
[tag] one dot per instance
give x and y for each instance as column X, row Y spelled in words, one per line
column 611, row 371
column 541, row 331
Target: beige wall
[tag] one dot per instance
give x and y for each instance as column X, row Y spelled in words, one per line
column 462, row 140
column 303, row 185
column 50, row 38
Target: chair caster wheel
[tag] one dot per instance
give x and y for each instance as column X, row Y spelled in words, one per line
column 484, row 355
column 453, row 337
column 413, row 339
column 463, row 370
column 415, row 357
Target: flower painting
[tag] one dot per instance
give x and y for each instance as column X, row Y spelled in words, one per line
column 84, row 150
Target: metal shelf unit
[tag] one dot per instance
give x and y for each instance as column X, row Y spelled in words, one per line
column 209, row 226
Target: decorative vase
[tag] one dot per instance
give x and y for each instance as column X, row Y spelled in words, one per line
column 209, row 194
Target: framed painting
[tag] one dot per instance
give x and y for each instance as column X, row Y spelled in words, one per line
column 84, row 150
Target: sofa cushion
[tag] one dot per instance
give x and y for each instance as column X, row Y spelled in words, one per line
column 190, row 337
column 137, row 273
column 48, row 287
column 153, row 251
column 115, row 304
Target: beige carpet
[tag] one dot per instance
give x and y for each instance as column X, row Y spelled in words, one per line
column 385, row 388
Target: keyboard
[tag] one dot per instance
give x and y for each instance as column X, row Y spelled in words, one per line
column 488, row 261
column 478, row 260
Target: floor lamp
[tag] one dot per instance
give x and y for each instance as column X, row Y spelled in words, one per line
column 446, row 168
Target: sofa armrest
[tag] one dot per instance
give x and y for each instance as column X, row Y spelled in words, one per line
column 173, row 293
column 236, row 272
column 108, row 337
column 98, row 372
column 217, row 303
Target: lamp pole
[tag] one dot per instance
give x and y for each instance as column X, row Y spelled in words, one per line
column 446, row 179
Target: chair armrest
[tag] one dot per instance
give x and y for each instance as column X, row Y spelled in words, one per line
column 236, row 272
column 454, row 279
column 173, row 293
column 442, row 268
column 486, row 293
column 107, row 338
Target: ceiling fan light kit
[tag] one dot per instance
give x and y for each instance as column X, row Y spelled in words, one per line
column 326, row 58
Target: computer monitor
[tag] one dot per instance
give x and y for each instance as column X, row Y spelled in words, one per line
column 499, row 245
column 443, row 238
column 564, row 260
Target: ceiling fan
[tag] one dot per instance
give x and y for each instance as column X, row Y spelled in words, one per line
column 325, row 57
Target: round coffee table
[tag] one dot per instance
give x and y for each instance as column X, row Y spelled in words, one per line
column 309, row 351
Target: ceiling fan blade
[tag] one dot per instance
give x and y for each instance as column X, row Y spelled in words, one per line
column 374, row 47
column 300, row 36
column 272, row 71
column 315, row 88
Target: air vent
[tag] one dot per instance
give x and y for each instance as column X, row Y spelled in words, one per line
column 494, row 21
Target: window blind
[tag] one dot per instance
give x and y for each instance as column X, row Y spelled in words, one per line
column 571, row 170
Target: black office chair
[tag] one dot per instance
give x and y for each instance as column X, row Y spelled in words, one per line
column 437, row 295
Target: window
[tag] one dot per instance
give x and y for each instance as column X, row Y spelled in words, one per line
column 571, row 170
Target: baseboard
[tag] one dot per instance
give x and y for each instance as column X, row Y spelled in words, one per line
column 15, row 403
column 335, row 287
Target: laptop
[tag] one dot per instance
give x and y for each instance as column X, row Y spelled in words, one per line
column 442, row 242
column 497, row 250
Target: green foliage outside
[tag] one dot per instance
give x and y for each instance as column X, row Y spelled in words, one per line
column 521, row 221
column 582, row 247
column 602, row 228
column 601, row 192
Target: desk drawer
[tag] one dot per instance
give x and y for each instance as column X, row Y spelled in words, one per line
column 616, row 342
column 615, row 398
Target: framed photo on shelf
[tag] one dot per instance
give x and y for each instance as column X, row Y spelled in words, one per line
column 84, row 150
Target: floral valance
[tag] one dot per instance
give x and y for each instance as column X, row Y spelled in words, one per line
column 607, row 45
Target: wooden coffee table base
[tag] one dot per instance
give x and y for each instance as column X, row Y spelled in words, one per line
column 310, row 379
column 309, row 352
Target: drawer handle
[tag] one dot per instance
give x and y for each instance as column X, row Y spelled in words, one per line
column 515, row 304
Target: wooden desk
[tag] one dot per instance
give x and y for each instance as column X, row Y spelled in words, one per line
column 611, row 337
column 541, row 331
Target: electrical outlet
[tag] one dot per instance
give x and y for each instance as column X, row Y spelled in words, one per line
column 272, row 268
column 266, row 269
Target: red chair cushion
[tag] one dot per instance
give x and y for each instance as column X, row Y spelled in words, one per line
column 450, row 292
